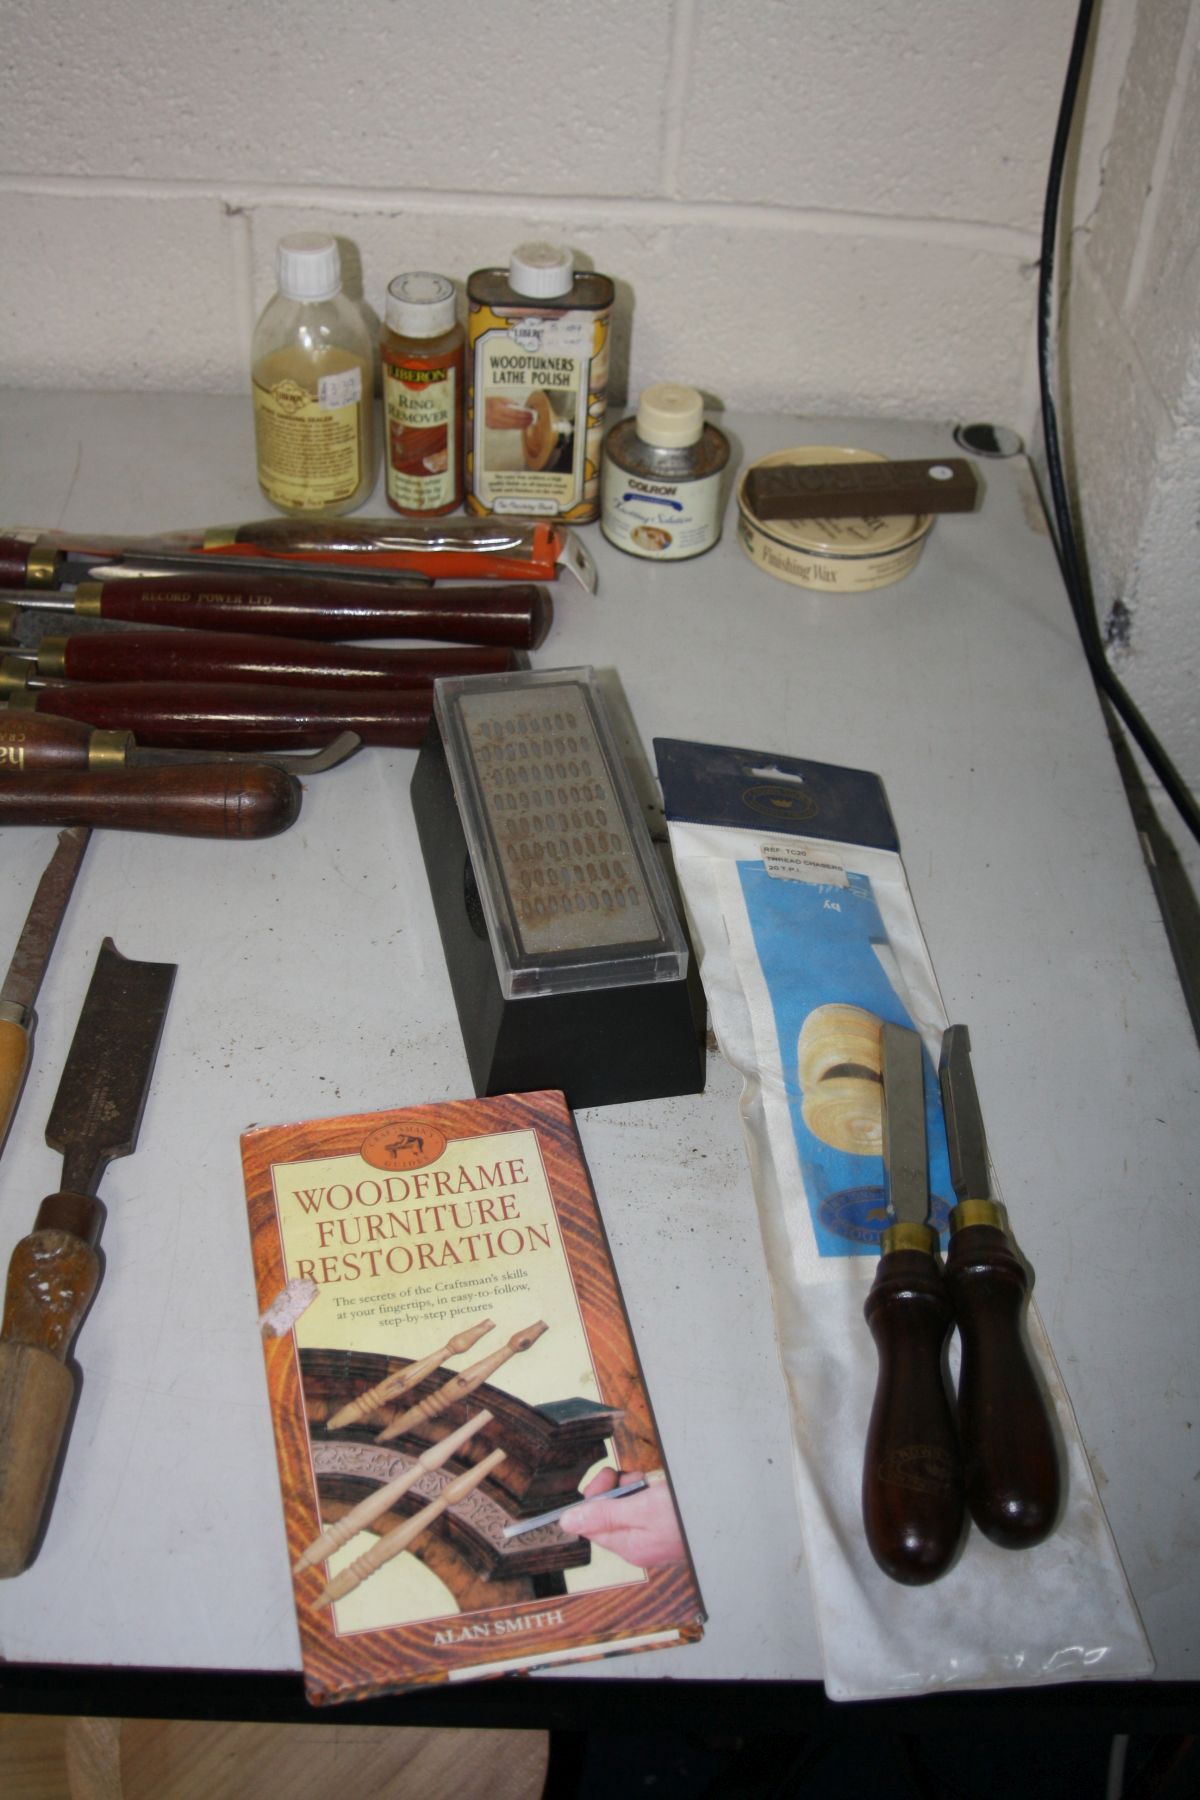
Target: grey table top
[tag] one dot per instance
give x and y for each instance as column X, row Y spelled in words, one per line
column 311, row 981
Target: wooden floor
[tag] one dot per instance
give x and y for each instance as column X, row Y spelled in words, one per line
column 151, row 1759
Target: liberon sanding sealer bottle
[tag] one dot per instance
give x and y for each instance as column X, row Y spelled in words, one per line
column 537, row 371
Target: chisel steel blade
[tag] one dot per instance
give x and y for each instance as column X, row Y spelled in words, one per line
column 98, row 1108
column 905, row 1159
column 965, row 1137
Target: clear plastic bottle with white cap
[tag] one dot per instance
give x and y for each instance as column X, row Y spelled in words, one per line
column 663, row 483
column 312, row 375
column 537, row 369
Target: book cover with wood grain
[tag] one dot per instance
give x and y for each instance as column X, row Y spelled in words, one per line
column 448, row 1358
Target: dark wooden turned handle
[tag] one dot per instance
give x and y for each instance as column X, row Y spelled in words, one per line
column 236, row 715
column 1010, row 1448
column 209, row 800
column 177, row 655
column 912, row 1478
column 516, row 615
column 31, row 741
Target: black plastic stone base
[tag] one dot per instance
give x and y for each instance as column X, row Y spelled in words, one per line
column 600, row 1047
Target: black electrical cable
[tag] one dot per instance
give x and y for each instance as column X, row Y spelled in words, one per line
column 1078, row 591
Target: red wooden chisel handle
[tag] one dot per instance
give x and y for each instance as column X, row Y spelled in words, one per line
column 234, row 715
column 912, row 1477
column 516, row 617
column 210, row 800
column 159, row 655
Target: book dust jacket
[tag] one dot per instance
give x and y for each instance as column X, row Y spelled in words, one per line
column 448, row 1361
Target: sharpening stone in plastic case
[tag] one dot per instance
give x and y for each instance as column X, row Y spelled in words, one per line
column 566, row 954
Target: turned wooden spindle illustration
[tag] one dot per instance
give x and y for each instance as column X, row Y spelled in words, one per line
column 392, row 1386
column 461, row 1385
column 390, row 1546
column 838, row 1059
column 385, row 1497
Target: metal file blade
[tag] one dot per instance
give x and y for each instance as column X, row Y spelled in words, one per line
column 965, row 1137
column 905, row 1159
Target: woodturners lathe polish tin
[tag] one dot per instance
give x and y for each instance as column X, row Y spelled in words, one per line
column 566, row 953
column 838, row 556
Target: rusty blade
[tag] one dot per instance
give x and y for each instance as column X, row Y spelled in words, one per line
column 98, row 1109
column 40, row 931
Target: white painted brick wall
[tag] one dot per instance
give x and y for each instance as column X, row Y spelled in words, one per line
column 807, row 206
column 1132, row 377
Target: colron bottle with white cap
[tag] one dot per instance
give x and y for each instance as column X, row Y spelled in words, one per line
column 663, row 477
column 537, row 356
column 311, row 365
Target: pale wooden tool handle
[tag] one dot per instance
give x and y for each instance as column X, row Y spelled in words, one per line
column 459, row 1386
column 36, row 1396
column 51, row 1278
column 386, row 1548
column 384, row 1498
column 15, row 1039
column 392, row 1386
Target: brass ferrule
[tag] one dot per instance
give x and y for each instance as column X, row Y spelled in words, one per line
column 52, row 656
column 9, row 614
column 219, row 537
column 975, row 1212
column 22, row 700
column 14, row 674
column 87, row 599
column 109, row 749
column 41, row 566
column 907, row 1235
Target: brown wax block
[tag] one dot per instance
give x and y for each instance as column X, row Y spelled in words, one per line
column 860, row 489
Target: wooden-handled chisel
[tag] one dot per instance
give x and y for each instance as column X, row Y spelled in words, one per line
column 54, row 1271
column 206, row 800
column 443, row 549
column 912, row 1493
column 31, row 958
column 232, row 715
column 159, row 653
column 34, row 743
column 33, row 561
column 1010, row 1449
column 516, row 616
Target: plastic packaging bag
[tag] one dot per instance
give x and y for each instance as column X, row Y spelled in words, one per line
column 805, row 931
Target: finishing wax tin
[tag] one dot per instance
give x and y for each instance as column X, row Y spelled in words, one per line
column 841, row 556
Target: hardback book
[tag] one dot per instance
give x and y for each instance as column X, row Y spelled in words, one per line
column 449, row 1366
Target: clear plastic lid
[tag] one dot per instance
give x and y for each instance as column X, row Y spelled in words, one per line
column 420, row 305
column 541, row 271
column 308, row 266
column 569, row 882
